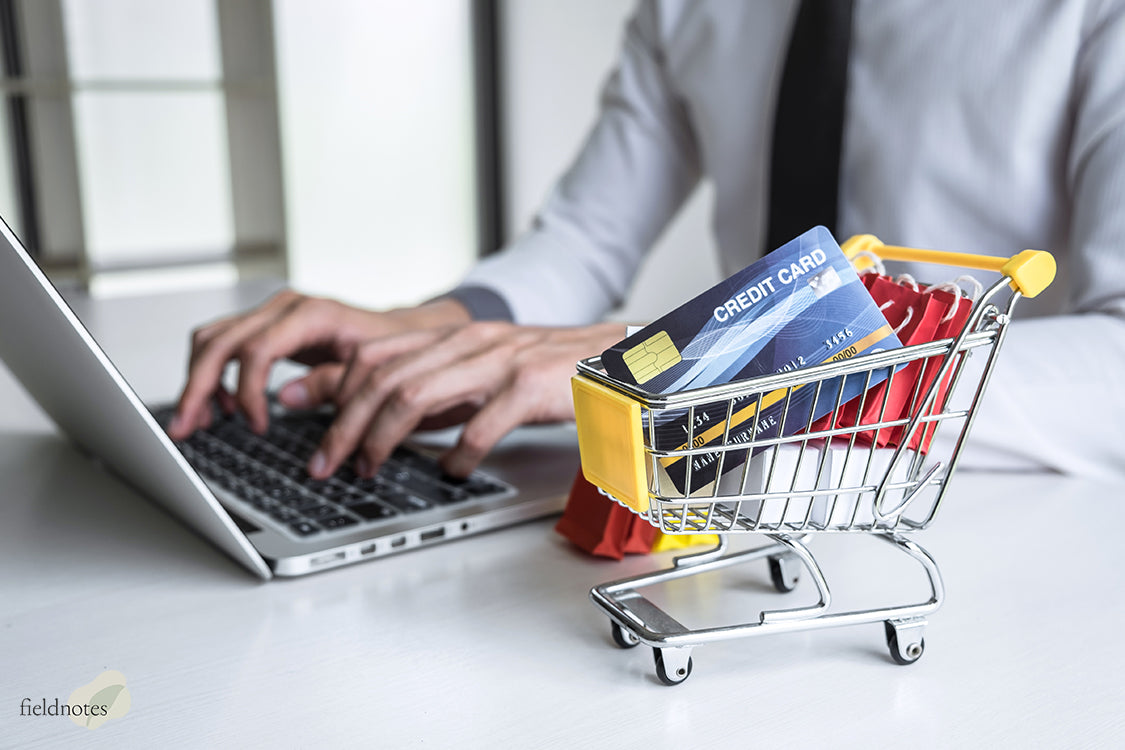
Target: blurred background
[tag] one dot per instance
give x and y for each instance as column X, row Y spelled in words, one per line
column 369, row 150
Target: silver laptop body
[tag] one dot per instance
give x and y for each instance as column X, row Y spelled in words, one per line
column 57, row 360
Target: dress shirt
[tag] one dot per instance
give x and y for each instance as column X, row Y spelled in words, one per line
column 981, row 126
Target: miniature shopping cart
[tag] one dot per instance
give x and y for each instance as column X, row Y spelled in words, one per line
column 792, row 486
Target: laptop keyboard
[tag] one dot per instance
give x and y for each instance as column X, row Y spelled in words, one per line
column 267, row 472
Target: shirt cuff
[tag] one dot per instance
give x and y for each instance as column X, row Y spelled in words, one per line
column 481, row 302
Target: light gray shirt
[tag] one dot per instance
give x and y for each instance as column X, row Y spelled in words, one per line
column 982, row 126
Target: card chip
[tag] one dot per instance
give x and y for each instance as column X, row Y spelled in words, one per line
column 651, row 357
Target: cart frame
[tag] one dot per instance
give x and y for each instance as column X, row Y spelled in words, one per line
column 888, row 493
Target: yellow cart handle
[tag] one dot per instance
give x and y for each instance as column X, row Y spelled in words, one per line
column 1031, row 271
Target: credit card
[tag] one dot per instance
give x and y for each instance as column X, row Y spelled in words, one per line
column 801, row 305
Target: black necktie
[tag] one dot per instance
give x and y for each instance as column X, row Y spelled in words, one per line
column 809, row 125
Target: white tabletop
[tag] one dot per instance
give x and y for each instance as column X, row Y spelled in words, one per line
column 492, row 642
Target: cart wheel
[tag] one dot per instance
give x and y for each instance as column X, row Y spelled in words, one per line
column 676, row 674
column 784, row 572
column 908, row 652
column 623, row 637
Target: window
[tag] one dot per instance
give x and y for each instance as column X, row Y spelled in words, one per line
column 149, row 123
column 133, row 111
column 378, row 130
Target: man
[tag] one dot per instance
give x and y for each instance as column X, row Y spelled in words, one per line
column 981, row 126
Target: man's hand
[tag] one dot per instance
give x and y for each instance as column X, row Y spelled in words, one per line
column 491, row 376
column 309, row 330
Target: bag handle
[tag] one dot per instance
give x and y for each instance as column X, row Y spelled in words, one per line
column 1029, row 271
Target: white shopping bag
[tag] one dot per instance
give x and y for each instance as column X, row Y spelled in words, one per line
column 796, row 469
column 864, row 466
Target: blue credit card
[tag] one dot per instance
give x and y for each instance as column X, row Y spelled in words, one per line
column 799, row 306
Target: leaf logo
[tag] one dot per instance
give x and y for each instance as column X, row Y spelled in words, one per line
column 105, row 698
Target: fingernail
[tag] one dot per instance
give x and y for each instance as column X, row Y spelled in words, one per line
column 294, row 394
column 363, row 467
column 176, row 426
column 318, row 463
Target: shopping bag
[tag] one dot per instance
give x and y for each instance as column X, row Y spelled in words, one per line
column 915, row 315
column 640, row 537
column 594, row 522
column 957, row 308
column 598, row 525
column 894, row 302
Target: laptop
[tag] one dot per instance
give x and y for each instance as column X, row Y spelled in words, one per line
column 248, row 494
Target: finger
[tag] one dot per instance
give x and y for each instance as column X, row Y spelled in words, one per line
column 537, row 391
column 212, row 349
column 226, row 400
column 382, row 419
column 508, row 410
column 394, row 360
column 207, row 419
column 459, row 414
column 203, row 335
column 186, row 419
column 318, row 386
column 373, row 354
column 306, row 322
column 468, row 386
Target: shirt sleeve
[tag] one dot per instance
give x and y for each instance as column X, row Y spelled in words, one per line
column 1055, row 400
column 634, row 171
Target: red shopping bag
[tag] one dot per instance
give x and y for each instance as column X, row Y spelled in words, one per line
column 957, row 308
column 641, row 537
column 602, row 527
column 916, row 316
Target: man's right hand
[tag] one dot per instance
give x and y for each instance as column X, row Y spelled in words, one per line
column 309, row 330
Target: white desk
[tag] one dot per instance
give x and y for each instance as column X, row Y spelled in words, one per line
column 491, row 641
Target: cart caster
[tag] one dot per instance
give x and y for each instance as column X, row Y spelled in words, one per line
column 905, row 641
column 673, row 668
column 785, row 572
column 623, row 637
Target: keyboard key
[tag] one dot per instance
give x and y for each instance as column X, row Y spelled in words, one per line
column 227, row 482
column 283, row 493
column 263, row 503
column 371, row 511
column 337, row 522
column 315, row 485
column 335, row 492
column 346, row 474
column 403, row 501
column 413, row 483
column 294, row 472
column 373, row 486
column 318, row 512
column 353, row 497
column 452, row 495
column 478, row 486
column 283, row 514
column 302, row 502
column 410, row 459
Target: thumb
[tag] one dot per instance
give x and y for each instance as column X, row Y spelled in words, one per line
column 317, row 387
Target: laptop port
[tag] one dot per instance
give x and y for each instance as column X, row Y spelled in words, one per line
column 326, row 559
column 432, row 534
column 398, row 541
column 367, row 549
